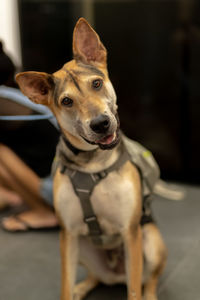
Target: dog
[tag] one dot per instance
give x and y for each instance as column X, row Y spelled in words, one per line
column 106, row 235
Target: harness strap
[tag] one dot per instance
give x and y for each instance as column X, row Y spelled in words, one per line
column 146, row 210
column 84, row 184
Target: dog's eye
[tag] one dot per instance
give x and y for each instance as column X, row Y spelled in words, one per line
column 97, row 84
column 67, row 102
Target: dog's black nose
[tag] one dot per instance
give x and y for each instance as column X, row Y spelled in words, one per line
column 100, row 124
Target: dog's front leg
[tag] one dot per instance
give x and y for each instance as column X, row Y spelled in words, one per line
column 134, row 262
column 69, row 260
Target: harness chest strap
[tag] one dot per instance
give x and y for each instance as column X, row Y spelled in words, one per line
column 83, row 184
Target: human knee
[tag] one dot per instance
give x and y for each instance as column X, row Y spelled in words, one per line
column 3, row 149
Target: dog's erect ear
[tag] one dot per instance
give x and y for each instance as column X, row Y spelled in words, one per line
column 36, row 86
column 87, row 46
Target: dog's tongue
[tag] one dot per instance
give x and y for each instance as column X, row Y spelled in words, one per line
column 106, row 140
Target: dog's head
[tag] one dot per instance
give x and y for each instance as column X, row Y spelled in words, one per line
column 80, row 94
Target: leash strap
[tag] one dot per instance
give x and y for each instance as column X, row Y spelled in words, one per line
column 26, row 118
column 84, row 184
column 15, row 95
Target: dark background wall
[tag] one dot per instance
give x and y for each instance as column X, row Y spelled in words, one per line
column 154, row 62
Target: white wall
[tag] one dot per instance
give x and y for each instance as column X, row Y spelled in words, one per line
column 9, row 30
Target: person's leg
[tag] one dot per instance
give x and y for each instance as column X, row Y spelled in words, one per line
column 20, row 178
column 12, row 183
column 9, row 198
column 16, row 176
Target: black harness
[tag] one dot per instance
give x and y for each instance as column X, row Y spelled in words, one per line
column 84, row 184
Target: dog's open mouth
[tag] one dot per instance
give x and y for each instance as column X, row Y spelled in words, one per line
column 109, row 141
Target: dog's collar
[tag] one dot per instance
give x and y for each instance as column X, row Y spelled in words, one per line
column 71, row 147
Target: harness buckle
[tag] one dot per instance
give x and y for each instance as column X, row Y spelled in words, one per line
column 102, row 174
column 93, row 225
column 62, row 169
column 90, row 219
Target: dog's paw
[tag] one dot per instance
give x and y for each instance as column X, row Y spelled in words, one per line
column 80, row 291
column 84, row 287
column 77, row 296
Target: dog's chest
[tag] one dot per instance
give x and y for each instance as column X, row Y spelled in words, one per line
column 114, row 200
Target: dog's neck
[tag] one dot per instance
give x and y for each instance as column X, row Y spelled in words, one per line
column 92, row 160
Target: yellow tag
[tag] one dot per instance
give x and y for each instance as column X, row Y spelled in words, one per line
column 146, row 153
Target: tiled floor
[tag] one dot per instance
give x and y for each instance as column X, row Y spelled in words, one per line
column 30, row 263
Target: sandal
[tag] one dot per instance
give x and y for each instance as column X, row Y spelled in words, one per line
column 27, row 226
column 3, row 205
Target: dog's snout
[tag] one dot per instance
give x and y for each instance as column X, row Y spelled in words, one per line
column 100, row 124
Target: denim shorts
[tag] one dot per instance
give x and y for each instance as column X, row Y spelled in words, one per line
column 46, row 189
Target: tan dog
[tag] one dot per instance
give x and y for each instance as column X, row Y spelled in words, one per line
column 84, row 102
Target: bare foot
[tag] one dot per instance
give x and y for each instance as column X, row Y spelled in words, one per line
column 34, row 219
column 10, row 198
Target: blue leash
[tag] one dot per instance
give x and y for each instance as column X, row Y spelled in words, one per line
column 26, row 118
column 16, row 96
